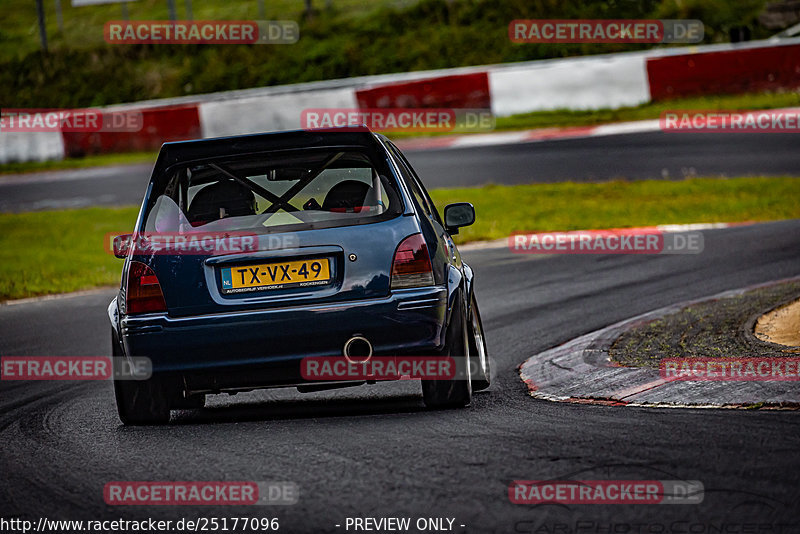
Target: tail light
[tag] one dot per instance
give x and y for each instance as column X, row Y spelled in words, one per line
column 142, row 291
column 411, row 266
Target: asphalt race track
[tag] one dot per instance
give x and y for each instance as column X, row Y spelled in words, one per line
column 374, row 451
column 631, row 156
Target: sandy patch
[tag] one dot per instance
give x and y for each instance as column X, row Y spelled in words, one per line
column 781, row 326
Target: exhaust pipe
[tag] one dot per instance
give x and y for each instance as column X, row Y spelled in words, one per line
column 358, row 349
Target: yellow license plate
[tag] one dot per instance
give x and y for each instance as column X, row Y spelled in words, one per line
column 278, row 275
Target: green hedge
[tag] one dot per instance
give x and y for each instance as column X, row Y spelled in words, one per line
column 390, row 37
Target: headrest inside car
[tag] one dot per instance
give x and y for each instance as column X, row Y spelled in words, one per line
column 348, row 194
column 226, row 198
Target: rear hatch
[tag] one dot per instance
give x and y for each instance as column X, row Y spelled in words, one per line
column 328, row 265
column 284, row 228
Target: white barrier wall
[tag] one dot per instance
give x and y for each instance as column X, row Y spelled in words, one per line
column 610, row 81
column 30, row 146
column 268, row 113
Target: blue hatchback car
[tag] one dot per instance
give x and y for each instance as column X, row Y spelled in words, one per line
column 322, row 244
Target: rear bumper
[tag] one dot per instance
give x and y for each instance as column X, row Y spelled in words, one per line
column 407, row 321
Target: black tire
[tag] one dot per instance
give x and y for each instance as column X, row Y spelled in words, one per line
column 480, row 364
column 139, row 402
column 457, row 392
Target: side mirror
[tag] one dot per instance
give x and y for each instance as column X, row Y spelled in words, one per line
column 458, row 215
column 122, row 244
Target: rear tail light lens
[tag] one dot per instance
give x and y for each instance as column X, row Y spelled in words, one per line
column 142, row 291
column 411, row 266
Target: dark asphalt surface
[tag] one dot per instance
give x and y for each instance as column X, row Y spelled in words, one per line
column 631, row 156
column 375, row 451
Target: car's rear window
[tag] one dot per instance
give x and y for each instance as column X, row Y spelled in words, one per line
column 275, row 192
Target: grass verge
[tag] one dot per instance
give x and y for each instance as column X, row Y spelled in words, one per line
column 577, row 206
column 100, row 160
column 60, row 251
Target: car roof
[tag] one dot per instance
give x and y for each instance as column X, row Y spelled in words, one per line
column 180, row 151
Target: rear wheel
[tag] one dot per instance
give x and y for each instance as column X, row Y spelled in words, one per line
column 139, row 402
column 480, row 366
column 458, row 391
